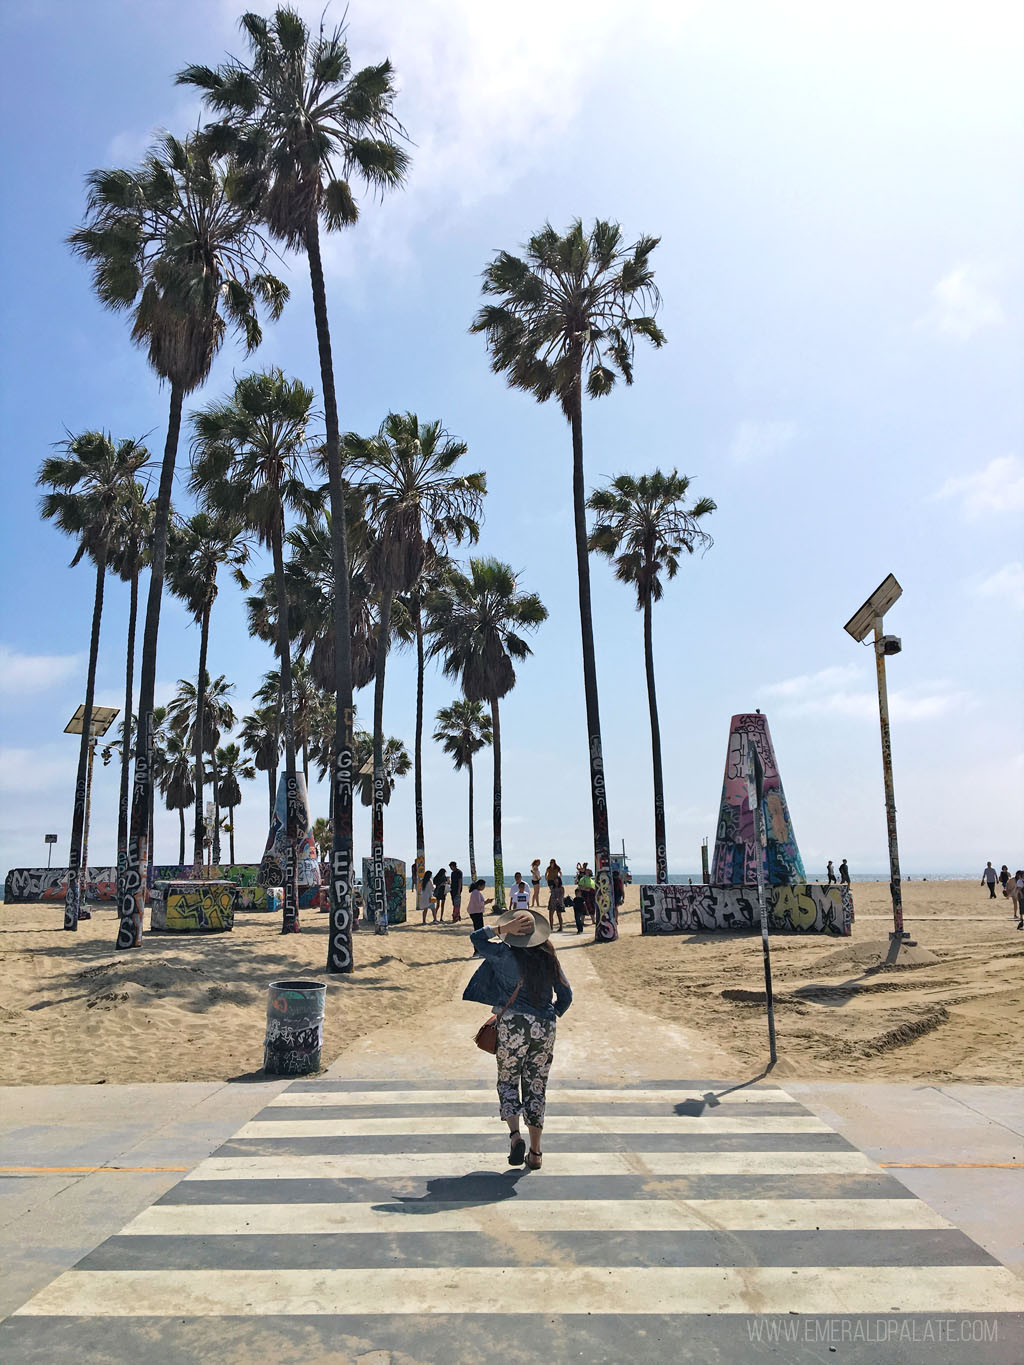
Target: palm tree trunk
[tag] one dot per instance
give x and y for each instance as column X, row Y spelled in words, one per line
column 215, row 842
column 339, row 946
column 472, row 841
column 129, row 933
column 272, row 784
column 126, row 740
column 660, row 850
column 305, row 763
column 379, row 900
column 290, row 924
column 231, row 833
column 499, row 870
column 181, row 837
column 199, row 836
column 607, row 928
column 421, row 843
column 72, row 897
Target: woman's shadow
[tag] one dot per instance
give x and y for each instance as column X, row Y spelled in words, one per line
column 460, row 1191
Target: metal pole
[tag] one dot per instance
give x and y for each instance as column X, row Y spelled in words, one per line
column 890, row 799
column 49, row 855
column 755, row 788
column 83, row 875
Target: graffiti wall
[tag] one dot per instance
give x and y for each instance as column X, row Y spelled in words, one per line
column 271, row 869
column 269, row 899
column 735, row 860
column 192, row 907
column 394, row 889
column 799, row 909
column 50, row 884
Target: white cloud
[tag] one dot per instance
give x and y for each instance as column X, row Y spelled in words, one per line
column 849, row 691
column 999, row 487
column 757, row 441
column 962, row 305
column 484, row 97
column 1006, row 585
column 27, row 673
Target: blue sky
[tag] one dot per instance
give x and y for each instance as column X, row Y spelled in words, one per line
column 838, row 194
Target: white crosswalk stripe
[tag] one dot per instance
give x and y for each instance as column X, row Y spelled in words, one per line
column 438, row 1121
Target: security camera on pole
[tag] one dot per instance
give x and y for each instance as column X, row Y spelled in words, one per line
column 869, row 617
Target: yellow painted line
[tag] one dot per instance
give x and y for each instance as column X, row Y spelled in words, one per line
column 88, row 1170
column 954, row 1165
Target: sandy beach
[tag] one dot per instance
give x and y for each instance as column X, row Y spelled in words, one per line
column 193, row 1007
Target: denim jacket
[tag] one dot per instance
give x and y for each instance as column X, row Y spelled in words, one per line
column 497, row 977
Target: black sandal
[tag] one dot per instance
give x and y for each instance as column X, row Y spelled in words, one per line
column 533, row 1159
column 517, row 1151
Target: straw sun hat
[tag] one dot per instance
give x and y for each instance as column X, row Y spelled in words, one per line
column 541, row 929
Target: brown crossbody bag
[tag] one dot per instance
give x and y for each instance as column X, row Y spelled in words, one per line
column 487, row 1034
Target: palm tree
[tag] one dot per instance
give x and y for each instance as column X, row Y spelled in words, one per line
column 294, row 117
column 575, row 303
column 321, row 834
column 249, row 454
column 203, row 709
column 475, row 627
column 232, row 769
column 396, row 763
column 309, row 579
column 415, row 505
column 643, row 526
column 196, row 550
column 305, row 700
column 169, row 243
column 261, row 736
column 463, row 729
column 129, row 554
column 90, row 485
column 176, row 772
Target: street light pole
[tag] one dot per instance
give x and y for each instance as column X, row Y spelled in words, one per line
column 890, row 798
column 868, row 617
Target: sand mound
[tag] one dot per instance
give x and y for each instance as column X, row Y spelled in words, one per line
column 874, row 954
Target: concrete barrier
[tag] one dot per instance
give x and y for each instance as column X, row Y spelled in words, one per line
column 799, row 909
column 192, row 907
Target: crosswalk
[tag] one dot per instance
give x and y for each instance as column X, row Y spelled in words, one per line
column 354, row 1218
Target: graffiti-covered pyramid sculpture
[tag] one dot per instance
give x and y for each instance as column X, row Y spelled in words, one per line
column 272, row 866
column 735, row 861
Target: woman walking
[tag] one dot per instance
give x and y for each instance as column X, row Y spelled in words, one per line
column 522, row 981
column 535, row 880
column 427, row 901
column 477, row 906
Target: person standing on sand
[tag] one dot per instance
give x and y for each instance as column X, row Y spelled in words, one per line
column 441, row 891
column 988, row 878
column 476, row 907
column 522, row 981
column 455, row 883
column 830, row 873
column 844, row 873
column 1004, row 877
column 519, row 894
column 427, row 897
column 556, row 893
column 535, row 882
column 585, row 883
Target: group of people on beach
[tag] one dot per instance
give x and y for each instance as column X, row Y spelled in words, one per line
column 844, row 873
column 435, row 888
column 1013, row 888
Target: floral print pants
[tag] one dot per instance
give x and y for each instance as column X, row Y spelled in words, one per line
column 525, row 1048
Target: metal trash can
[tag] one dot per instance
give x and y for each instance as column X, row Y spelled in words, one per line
column 295, row 1027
